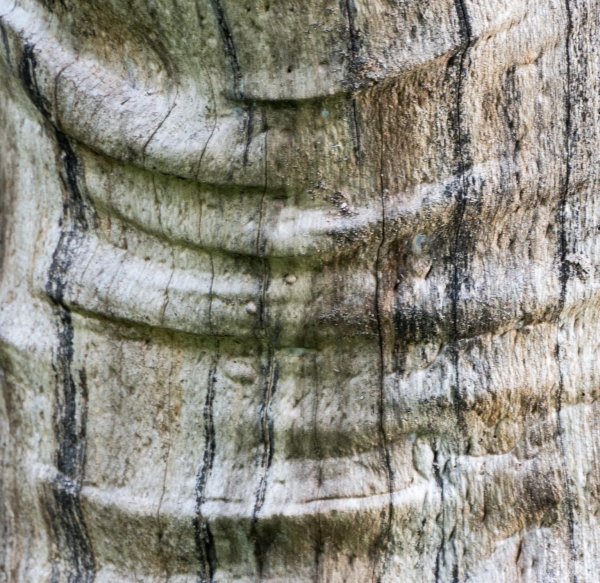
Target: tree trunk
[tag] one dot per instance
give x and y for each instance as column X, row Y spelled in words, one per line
column 299, row 290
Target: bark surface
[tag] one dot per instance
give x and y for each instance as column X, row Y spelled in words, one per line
column 299, row 291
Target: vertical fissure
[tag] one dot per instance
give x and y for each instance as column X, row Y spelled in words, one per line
column 349, row 8
column 459, row 265
column 457, row 253
column 356, row 133
column 229, row 47
column 387, row 518
column 74, row 557
column 564, row 279
column 271, row 375
column 249, row 132
column 204, row 540
column 259, row 245
column 437, row 472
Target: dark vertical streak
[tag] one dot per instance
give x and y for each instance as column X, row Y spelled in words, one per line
column 27, row 70
column 458, row 253
column 267, row 446
column 440, row 483
column 271, row 376
column 259, row 244
column 459, row 260
column 249, row 132
column 205, row 544
column 5, row 42
column 564, row 279
column 387, row 516
column 228, row 47
column 352, row 106
column 74, row 561
column 349, row 8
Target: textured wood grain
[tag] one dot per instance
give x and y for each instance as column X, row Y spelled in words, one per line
column 299, row 291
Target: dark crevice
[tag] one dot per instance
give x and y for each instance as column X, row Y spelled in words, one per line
column 459, row 253
column 437, row 472
column 565, row 271
column 74, row 560
column 249, row 132
column 384, row 542
column 271, row 376
column 211, row 294
column 229, row 47
column 203, row 537
column 29, row 79
column 260, row 244
column 459, row 262
column 266, row 451
column 352, row 105
column 349, row 8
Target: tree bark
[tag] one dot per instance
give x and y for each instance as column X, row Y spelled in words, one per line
column 299, row 291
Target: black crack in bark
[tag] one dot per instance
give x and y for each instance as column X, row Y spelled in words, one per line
column 459, row 258
column 228, row 47
column 437, row 472
column 28, row 77
column 459, row 262
column 355, row 130
column 271, row 376
column 203, row 537
column 260, row 243
column 74, row 561
column 349, row 10
column 267, row 448
column 565, row 272
column 387, row 517
column 249, row 132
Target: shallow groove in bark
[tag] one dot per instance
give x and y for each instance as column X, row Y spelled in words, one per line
column 385, row 537
column 267, row 444
column 204, row 540
column 349, row 7
column 228, row 46
column 564, row 280
column 459, row 262
column 75, row 561
column 249, row 131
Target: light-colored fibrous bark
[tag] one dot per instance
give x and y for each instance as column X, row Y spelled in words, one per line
column 299, row 291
